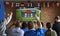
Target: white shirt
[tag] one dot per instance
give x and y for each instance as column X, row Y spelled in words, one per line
column 6, row 21
column 18, row 32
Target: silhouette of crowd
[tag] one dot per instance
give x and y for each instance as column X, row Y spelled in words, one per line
column 34, row 28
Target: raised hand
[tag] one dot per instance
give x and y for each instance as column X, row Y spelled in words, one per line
column 38, row 19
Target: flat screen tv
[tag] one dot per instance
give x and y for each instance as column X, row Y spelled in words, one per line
column 27, row 14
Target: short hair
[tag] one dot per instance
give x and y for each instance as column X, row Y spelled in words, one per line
column 17, row 24
column 48, row 25
column 56, row 17
column 30, row 25
column 24, row 24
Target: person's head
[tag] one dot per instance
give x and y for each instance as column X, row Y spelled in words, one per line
column 24, row 24
column 17, row 25
column 13, row 25
column 48, row 25
column 30, row 25
column 57, row 18
column 14, row 22
column 18, row 21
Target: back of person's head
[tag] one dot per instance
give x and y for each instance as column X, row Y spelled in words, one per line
column 18, row 21
column 48, row 25
column 17, row 25
column 24, row 24
column 56, row 17
column 30, row 25
column 14, row 22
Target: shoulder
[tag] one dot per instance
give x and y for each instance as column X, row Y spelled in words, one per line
column 21, row 30
column 54, row 33
column 26, row 33
column 48, row 32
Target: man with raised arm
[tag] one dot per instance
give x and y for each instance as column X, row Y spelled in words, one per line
column 4, row 23
column 41, row 30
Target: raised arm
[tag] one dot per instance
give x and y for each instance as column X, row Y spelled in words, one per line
column 38, row 21
column 8, row 19
column 5, row 22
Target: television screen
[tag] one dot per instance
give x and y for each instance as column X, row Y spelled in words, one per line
column 26, row 14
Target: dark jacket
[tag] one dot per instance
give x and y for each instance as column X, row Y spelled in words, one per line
column 56, row 27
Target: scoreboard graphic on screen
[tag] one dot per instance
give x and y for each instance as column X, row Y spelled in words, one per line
column 27, row 14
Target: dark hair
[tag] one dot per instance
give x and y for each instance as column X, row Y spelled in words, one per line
column 56, row 17
column 30, row 25
column 24, row 24
column 17, row 24
column 48, row 25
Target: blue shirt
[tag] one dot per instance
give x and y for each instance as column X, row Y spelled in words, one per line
column 25, row 29
column 30, row 33
column 40, row 32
